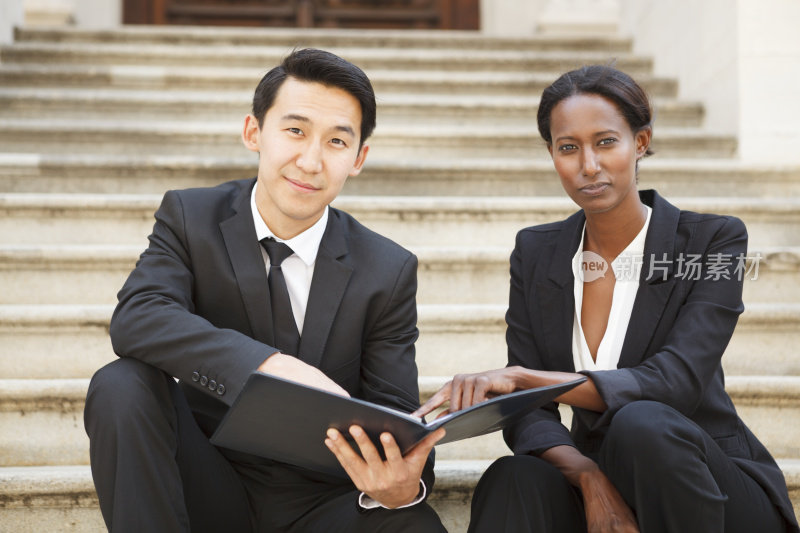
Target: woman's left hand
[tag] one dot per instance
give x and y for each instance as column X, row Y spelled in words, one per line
column 465, row 390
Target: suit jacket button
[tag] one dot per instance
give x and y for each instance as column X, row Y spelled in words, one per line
column 212, row 384
column 220, row 389
column 195, row 376
column 204, row 381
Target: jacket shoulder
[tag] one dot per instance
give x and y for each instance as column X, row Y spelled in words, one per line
column 710, row 220
column 201, row 206
column 548, row 232
column 711, row 226
column 220, row 193
column 362, row 239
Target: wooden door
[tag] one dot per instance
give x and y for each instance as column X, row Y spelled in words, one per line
column 404, row 14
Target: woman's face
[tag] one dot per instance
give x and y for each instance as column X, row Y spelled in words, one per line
column 595, row 151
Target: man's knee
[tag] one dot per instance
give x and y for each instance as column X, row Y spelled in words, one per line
column 123, row 389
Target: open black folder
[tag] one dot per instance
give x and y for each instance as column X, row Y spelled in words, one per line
column 287, row 421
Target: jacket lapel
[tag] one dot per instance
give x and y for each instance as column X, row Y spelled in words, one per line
column 328, row 285
column 556, row 294
column 241, row 241
column 657, row 279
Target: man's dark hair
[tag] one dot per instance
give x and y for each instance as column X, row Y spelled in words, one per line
column 602, row 80
column 318, row 66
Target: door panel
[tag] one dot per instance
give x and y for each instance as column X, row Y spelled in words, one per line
column 417, row 14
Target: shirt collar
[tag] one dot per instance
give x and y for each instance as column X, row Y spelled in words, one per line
column 305, row 245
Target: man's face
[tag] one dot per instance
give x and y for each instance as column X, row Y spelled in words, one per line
column 308, row 145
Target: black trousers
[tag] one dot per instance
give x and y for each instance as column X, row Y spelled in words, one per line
column 669, row 471
column 155, row 471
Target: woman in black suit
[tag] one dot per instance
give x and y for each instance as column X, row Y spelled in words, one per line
column 641, row 298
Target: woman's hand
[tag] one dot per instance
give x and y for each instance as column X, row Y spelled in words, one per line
column 465, row 390
column 605, row 509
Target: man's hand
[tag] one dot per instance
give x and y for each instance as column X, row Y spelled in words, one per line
column 293, row 369
column 465, row 390
column 606, row 511
column 393, row 482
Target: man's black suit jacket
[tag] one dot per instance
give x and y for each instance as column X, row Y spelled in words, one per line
column 197, row 305
column 678, row 331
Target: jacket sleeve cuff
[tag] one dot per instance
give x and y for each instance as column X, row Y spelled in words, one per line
column 540, row 437
column 365, row 502
column 617, row 388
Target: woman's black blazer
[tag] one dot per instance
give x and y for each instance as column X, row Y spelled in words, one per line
column 681, row 323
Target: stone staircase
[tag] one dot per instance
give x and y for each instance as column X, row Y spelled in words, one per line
column 96, row 125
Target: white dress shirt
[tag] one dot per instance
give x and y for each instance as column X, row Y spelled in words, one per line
column 626, row 268
column 298, row 268
column 298, row 271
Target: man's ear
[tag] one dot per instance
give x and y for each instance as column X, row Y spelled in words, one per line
column 359, row 162
column 251, row 133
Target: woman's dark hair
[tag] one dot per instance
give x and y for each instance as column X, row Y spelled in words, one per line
column 318, row 66
column 613, row 84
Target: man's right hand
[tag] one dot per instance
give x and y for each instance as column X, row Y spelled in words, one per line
column 291, row 368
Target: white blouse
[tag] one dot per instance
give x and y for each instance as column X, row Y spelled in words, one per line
column 626, row 268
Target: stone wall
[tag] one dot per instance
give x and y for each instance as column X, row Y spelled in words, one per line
column 740, row 58
column 11, row 14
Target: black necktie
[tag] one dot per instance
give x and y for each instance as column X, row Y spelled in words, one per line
column 287, row 339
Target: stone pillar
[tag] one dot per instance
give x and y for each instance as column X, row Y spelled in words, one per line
column 98, row 14
column 769, row 81
column 739, row 58
column 49, row 13
column 12, row 14
column 94, row 14
column 695, row 42
column 579, row 17
column 510, row 18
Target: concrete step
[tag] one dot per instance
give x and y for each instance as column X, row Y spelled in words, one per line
column 471, row 338
column 92, row 274
column 367, row 57
column 395, row 108
column 49, row 498
column 223, row 139
column 472, row 222
column 769, row 405
column 327, row 38
column 54, row 341
column 140, row 173
column 71, row 341
column 62, row 498
column 48, row 417
column 524, row 141
column 384, row 81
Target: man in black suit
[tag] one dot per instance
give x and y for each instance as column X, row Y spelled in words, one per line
column 201, row 307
